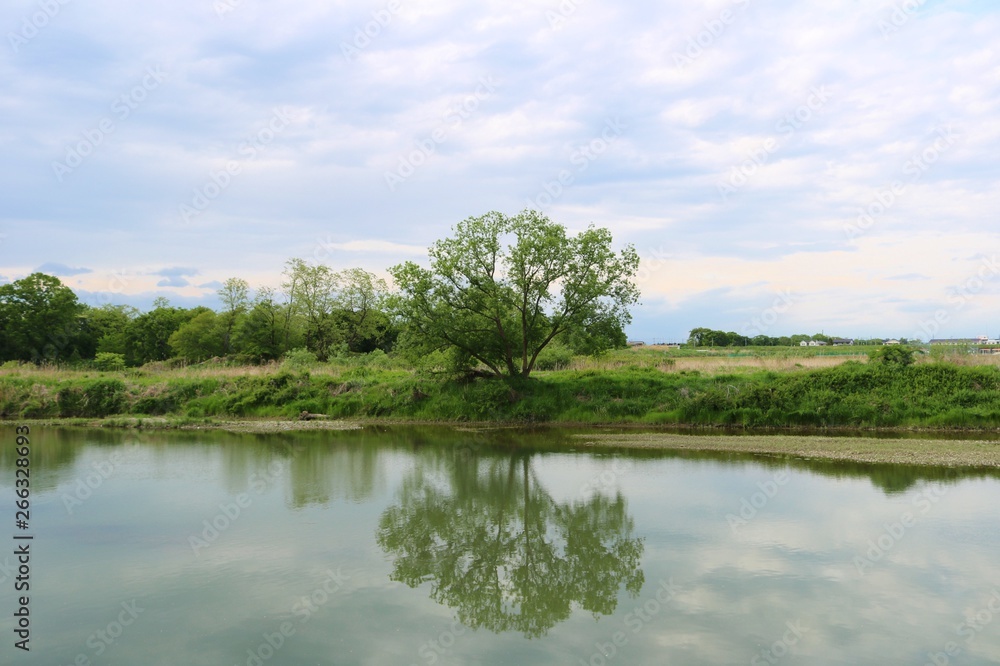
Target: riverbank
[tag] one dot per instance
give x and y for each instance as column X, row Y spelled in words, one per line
column 934, row 395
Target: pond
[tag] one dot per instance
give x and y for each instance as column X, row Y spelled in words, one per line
column 423, row 546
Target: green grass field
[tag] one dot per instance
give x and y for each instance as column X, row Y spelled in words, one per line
column 641, row 386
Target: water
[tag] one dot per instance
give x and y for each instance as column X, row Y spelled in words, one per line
column 432, row 546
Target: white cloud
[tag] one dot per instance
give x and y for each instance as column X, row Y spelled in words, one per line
column 687, row 128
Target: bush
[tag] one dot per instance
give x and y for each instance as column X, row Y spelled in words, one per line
column 101, row 397
column 892, row 355
column 109, row 361
column 554, row 357
column 488, row 398
column 300, row 359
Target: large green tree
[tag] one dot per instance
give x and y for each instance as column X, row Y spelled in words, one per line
column 261, row 335
column 359, row 305
column 106, row 327
column 312, row 296
column 40, row 319
column 235, row 297
column 335, row 309
column 148, row 335
column 502, row 288
column 201, row 338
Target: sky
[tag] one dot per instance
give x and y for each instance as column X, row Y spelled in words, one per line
column 780, row 167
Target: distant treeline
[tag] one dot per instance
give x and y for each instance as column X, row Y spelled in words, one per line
column 323, row 311
column 707, row 337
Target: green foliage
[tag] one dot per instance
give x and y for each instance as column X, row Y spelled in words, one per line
column 201, row 338
column 500, row 304
column 488, row 398
column 707, row 337
column 849, row 395
column 109, row 362
column 96, row 398
column 554, row 357
column 300, row 359
column 40, row 320
column 147, row 337
column 261, row 334
column 544, row 557
column 234, row 295
column 892, row 355
column 105, row 329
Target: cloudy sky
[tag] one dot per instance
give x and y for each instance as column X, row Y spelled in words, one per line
column 780, row 166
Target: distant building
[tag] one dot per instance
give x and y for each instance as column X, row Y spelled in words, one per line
column 841, row 342
column 891, row 342
column 671, row 345
column 636, row 343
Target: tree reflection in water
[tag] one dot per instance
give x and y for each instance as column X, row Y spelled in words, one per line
column 498, row 549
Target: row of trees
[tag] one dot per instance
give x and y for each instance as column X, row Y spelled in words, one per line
column 497, row 293
column 324, row 311
column 707, row 337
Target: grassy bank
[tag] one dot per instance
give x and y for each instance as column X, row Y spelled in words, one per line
column 938, row 394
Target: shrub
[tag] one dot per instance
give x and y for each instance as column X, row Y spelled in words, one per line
column 109, row 362
column 98, row 398
column 300, row 359
column 554, row 357
column 892, row 355
column 488, row 398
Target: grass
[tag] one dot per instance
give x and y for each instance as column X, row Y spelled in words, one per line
column 638, row 387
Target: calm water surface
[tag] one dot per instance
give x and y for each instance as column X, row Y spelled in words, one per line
column 431, row 546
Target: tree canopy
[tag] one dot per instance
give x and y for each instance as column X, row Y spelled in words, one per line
column 40, row 319
column 502, row 288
